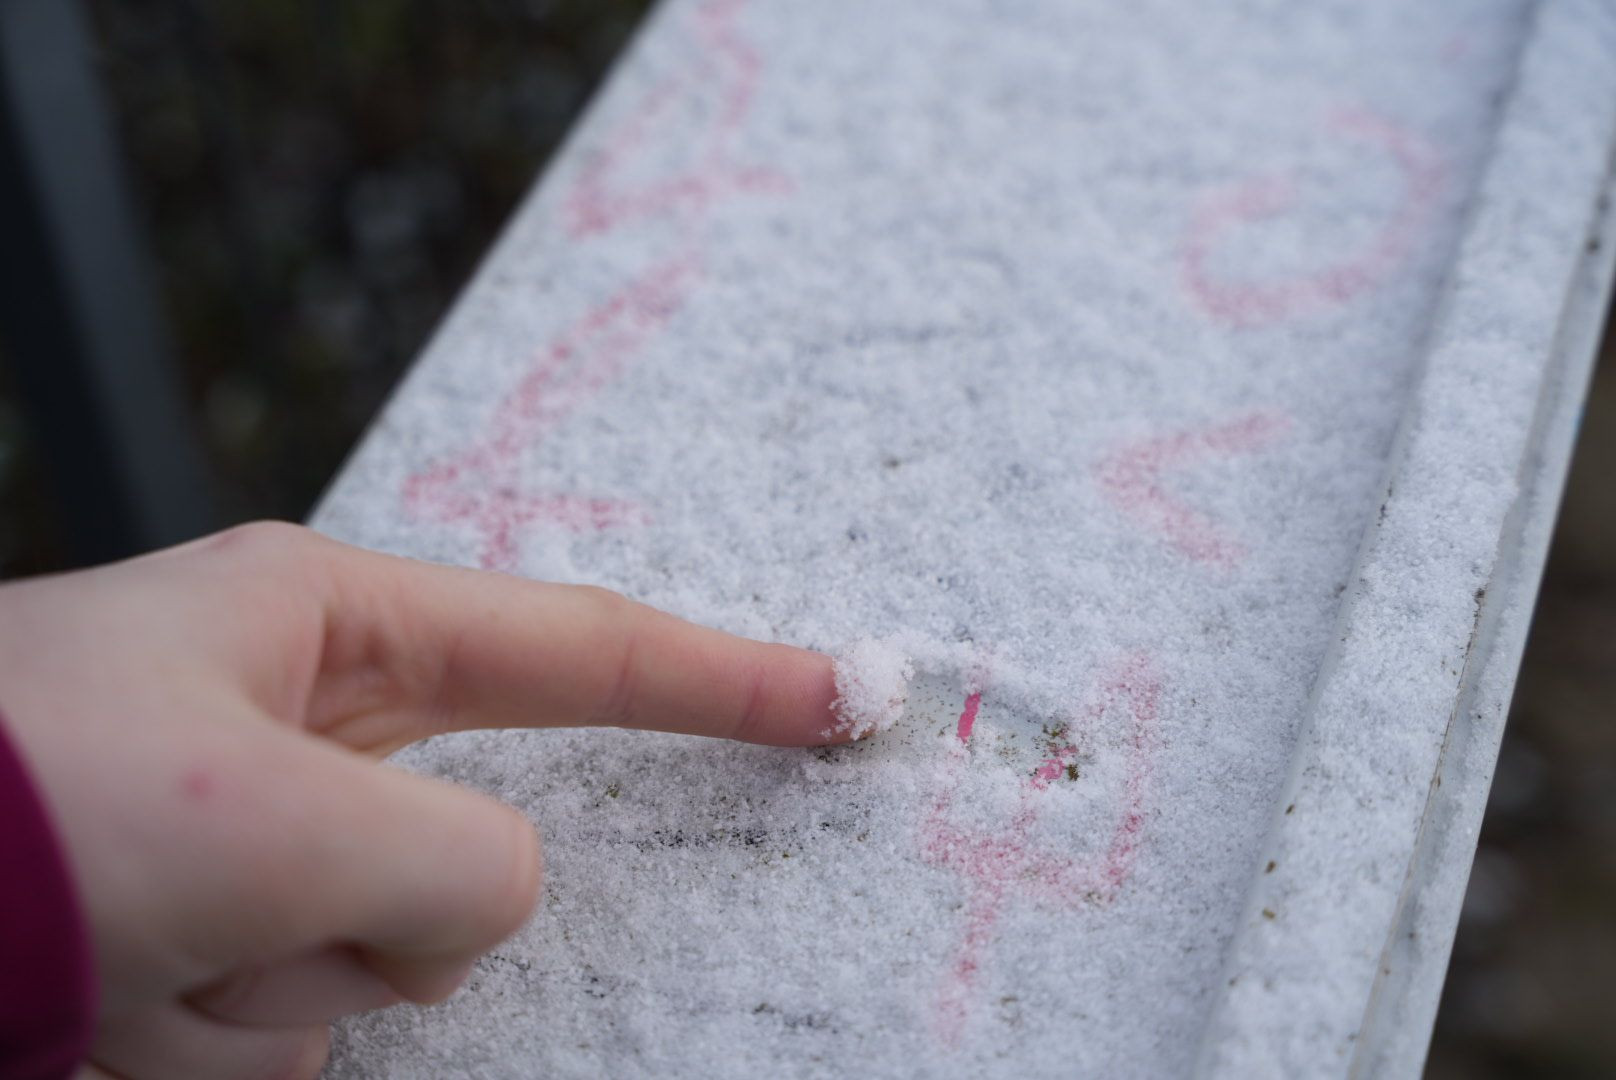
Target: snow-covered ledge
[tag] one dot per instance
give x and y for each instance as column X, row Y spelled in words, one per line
column 1161, row 408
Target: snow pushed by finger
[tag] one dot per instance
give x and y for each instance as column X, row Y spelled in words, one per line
column 872, row 684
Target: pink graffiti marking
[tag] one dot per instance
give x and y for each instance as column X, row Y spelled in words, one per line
column 1062, row 754
column 594, row 207
column 997, row 866
column 967, row 719
column 480, row 486
column 1131, row 480
column 1248, row 304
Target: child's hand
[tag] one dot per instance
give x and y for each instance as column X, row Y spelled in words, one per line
column 204, row 725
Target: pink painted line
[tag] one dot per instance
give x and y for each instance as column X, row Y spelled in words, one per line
column 981, row 914
column 595, row 207
column 1131, row 479
column 999, row 864
column 967, row 719
column 480, row 487
column 583, row 360
column 1049, row 769
column 1249, row 304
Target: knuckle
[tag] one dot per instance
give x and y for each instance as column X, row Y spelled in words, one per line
column 608, row 605
column 614, row 676
column 223, row 998
column 256, row 539
column 616, row 706
column 749, row 724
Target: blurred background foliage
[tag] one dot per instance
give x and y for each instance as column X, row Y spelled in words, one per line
column 317, row 181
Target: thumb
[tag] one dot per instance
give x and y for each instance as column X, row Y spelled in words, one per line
column 424, row 876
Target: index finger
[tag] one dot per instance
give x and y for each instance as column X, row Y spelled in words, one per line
column 414, row 649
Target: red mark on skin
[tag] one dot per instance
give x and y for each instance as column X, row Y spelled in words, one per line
column 1132, row 481
column 1247, row 304
column 481, row 486
column 1001, row 865
column 196, row 785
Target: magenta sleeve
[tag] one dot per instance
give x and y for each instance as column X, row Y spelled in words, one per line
column 47, row 977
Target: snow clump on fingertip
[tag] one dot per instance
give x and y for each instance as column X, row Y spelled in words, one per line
column 872, row 685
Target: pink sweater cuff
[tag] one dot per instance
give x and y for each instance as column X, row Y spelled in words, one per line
column 47, row 976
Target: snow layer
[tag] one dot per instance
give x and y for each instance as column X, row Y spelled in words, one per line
column 1042, row 359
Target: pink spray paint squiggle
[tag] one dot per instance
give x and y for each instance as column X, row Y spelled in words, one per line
column 999, row 865
column 596, row 205
column 1131, row 479
column 1245, row 304
column 480, row 486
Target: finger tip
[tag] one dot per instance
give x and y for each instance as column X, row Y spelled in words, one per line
column 798, row 687
column 819, row 725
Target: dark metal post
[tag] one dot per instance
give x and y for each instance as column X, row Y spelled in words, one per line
column 81, row 327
